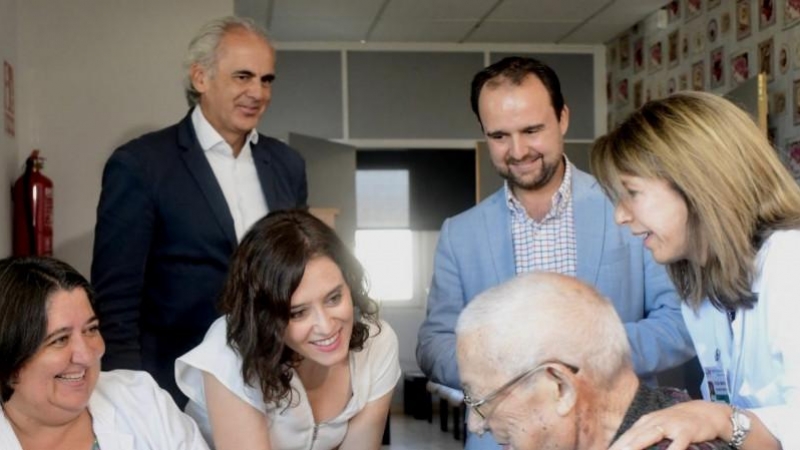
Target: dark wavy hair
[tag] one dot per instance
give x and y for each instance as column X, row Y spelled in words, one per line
column 515, row 69
column 26, row 284
column 265, row 271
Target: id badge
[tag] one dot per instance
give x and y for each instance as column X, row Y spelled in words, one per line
column 717, row 382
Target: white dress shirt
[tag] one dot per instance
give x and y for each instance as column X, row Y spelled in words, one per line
column 237, row 176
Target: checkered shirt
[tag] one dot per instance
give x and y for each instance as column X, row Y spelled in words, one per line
column 549, row 245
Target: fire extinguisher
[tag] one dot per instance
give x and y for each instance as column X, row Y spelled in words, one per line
column 33, row 210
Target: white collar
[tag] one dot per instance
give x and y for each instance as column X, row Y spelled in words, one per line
column 207, row 136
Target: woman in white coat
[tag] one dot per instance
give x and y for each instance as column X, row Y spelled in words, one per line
column 695, row 177
column 52, row 393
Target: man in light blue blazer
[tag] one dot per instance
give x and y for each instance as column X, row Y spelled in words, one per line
column 549, row 216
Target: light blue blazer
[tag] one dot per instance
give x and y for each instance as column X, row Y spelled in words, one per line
column 475, row 252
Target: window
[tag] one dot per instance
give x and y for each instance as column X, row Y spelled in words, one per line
column 382, row 199
column 402, row 198
column 386, row 255
column 383, row 237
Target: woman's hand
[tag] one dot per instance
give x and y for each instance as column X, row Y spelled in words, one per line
column 683, row 424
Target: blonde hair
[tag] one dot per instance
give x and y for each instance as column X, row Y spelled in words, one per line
column 736, row 189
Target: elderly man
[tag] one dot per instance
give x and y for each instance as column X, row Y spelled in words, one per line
column 175, row 203
column 545, row 363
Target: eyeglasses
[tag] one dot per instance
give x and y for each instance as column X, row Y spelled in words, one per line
column 475, row 405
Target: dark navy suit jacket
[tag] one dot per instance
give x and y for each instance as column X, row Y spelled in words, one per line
column 163, row 240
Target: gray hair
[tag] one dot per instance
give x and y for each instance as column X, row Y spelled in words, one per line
column 540, row 317
column 203, row 48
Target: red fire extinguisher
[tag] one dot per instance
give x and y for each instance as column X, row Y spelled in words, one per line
column 33, row 210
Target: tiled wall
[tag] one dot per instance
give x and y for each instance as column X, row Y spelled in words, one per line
column 713, row 45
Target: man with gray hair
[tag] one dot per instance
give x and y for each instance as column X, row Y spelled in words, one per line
column 175, row 203
column 545, row 363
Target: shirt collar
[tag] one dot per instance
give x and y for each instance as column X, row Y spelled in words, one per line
column 207, row 135
column 560, row 198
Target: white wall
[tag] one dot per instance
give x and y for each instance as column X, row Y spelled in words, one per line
column 93, row 74
column 8, row 144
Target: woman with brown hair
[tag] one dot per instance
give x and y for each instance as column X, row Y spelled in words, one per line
column 694, row 176
column 52, row 393
column 300, row 359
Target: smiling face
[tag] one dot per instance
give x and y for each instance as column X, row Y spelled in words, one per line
column 652, row 208
column 321, row 318
column 526, row 140
column 59, row 378
column 237, row 91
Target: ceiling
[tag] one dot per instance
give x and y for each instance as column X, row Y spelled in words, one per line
column 447, row 21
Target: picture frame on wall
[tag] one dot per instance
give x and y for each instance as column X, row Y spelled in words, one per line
column 683, row 82
column 783, row 59
column 693, row 9
column 637, row 94
column 740, row 68
column 624, row 51
column 654, row 61
column 622, row 92
column 716, row 69
column 698, row 76
column 638, row 54
column 672, row 48
column 796, row 56
column 712, row 31
column 791, row 13
column 699, row 41
column 766, row 50
column 673, row 9
column 766, row 14
column 796, row 102
column 778, row 103
column 725, row 23
column 792, row 157
column 743, row 19
column 685, row 46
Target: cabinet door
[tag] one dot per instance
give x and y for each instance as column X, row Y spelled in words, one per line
column 331, row 172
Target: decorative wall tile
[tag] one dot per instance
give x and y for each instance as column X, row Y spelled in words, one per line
column 714, row 45
column 743, row 19
column 766, row 14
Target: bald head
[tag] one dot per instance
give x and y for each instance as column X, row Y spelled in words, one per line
column 541, row 317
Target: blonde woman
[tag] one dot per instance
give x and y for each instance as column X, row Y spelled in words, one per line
column 695, row 177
